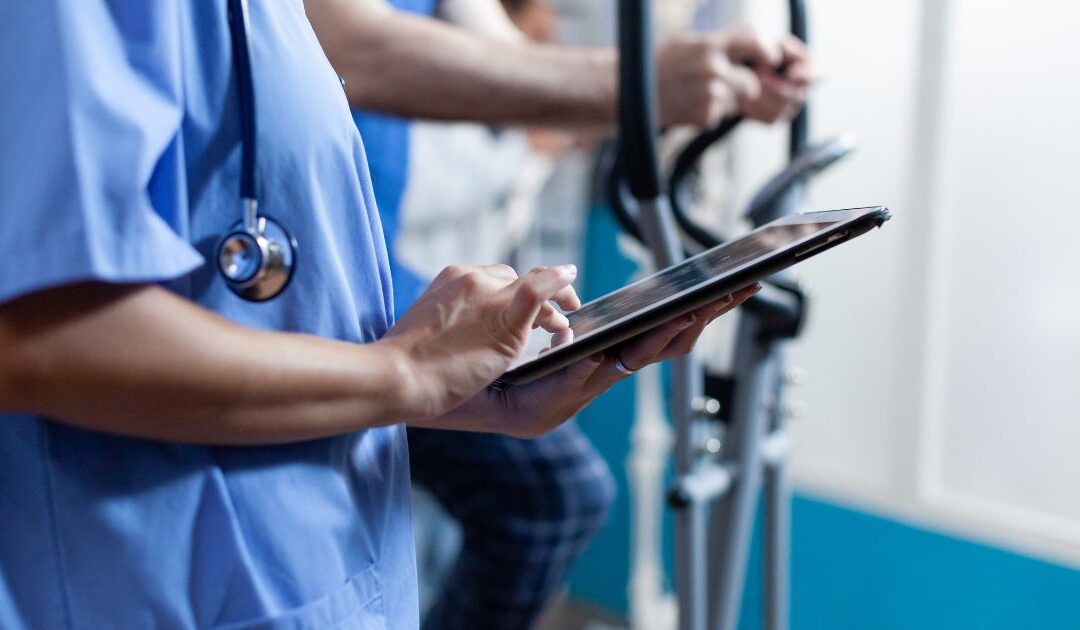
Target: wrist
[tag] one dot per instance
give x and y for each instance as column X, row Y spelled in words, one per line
column 478, row 414
column 412, row 398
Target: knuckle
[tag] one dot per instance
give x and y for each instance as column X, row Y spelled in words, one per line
column 470, row 281
column 452, row 271
column 504, row 269
column 530, row 292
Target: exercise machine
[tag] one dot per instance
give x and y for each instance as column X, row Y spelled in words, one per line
column 730, row 436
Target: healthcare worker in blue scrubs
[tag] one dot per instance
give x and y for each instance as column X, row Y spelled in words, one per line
column 176, row 453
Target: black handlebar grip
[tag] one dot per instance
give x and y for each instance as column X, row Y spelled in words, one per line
column 637, row 100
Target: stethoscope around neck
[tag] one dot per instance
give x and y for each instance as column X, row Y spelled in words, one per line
column 257, row 257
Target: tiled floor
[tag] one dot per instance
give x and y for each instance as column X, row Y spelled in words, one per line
column 568, row 614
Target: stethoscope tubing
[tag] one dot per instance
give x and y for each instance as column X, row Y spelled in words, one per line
column 238, row 29
column 273, row 251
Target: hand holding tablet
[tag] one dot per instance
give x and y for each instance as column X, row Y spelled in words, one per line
column 696, row 283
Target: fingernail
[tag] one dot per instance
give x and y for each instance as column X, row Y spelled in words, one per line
column 569, row 270
column 688, row 320
column 757, row 287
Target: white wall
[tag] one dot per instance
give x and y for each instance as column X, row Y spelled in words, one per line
column 1003, row 379
column 944, row 354
column 944, row 350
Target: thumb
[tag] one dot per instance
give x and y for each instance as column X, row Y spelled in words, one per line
column 531, row 291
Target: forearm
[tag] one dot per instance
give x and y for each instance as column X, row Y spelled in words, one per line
column 416, row 67
column 145, row 363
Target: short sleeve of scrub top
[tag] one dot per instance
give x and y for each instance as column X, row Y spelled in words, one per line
column 83, row 137
column 119, row 162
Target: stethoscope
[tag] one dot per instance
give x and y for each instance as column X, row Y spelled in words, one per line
column 257, row 257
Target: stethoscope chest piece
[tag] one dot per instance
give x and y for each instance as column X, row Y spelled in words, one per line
column 257, row 256
column 257, row 260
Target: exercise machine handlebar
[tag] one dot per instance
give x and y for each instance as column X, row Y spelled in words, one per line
column 637, row 101
column 685, row 163
column 688, row 158
column 800, row 125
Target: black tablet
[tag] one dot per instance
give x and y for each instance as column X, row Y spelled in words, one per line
column 623, row 314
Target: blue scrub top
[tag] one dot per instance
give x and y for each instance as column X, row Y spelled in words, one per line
column 120, row 162
column 387, row 139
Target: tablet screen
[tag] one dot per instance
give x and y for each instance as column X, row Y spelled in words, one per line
column 670, row 283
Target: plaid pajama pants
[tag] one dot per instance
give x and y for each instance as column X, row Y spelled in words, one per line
column 527, row 509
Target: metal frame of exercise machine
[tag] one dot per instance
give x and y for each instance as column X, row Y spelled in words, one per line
column 718, row 482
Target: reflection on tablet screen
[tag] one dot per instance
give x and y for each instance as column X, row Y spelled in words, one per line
column 672, row 281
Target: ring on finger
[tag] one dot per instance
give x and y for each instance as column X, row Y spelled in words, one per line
column 620, row 366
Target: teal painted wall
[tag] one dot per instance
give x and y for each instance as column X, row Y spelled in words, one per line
column 850, row 569
column 857, row 570
column 600, row 575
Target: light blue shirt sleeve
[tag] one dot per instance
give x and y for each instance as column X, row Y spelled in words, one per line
column 92, row 183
